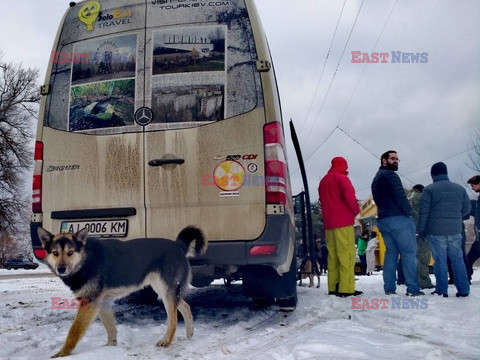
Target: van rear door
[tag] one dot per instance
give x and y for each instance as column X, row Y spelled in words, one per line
column 93, row 151
column 204, row 149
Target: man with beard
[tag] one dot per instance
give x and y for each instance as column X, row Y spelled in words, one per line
column 396, row 225
column 474, row 252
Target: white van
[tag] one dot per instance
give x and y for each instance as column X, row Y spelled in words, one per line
column 160, row 114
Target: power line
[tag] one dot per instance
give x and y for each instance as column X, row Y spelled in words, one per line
column 447, row 158
column 323, row 68
column 335, row 73
column 323, row 142
column 375, row 156
column 425, row 167
column 361, row 75
column 354, row 90
column 364, row 68
column 356, row 141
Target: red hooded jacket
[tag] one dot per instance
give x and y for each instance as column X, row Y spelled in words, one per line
column 337, row 196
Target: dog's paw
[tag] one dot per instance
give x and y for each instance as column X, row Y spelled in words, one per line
column 61, row 353
column 111, row 343
column 164, row 343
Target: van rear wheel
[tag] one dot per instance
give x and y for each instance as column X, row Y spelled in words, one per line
column 266, row 287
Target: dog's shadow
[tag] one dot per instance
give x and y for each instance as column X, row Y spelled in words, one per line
column 213, row 300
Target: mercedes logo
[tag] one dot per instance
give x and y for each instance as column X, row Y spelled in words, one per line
column 143, row 116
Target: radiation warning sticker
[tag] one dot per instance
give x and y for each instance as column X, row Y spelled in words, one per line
column 88, row 13
column 229, row 175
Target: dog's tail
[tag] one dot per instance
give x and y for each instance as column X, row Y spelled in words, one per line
column 193, row 241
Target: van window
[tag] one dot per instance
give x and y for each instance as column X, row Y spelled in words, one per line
column 190, row 67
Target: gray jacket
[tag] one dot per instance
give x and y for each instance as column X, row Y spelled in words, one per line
column 442, row 207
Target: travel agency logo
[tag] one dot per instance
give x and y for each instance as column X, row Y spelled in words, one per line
column 90, row 13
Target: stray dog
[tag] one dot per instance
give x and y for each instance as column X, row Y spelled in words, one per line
column 306, row 271
column 102, row 270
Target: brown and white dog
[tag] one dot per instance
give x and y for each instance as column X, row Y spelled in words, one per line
column 99, row 271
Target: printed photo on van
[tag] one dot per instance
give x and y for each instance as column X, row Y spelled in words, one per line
column 102, row 105
column 108, row 59
column 189, row 50
column 198, row 97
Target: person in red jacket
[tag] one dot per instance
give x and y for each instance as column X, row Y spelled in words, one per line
column 339, row 208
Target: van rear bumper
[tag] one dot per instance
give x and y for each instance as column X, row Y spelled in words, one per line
column 278, row 232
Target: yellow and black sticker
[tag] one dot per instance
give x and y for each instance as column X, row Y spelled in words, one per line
column 229, row 175
column 88, row 13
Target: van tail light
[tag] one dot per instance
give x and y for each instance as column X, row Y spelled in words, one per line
column 37, row 178
column 275, row 164
column 262, row 250
column 40, row 253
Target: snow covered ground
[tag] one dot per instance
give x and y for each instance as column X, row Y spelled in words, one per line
column 227, row 327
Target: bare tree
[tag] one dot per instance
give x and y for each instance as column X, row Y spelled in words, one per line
column 8, row 248
column 19, row 98
column 474, row 153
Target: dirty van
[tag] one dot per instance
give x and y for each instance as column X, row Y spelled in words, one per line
column 160, row 114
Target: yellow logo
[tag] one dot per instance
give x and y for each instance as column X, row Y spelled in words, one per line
column 229, row 175
column 88, row 13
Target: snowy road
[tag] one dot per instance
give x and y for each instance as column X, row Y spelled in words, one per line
column 227, row 327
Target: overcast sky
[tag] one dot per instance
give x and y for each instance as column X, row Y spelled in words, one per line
column 426, row 111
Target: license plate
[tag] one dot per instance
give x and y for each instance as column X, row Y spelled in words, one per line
column 97, row 228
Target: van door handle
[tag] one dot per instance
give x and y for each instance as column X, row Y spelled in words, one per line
column 161, row 162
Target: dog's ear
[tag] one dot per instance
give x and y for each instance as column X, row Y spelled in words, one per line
column 45, row 238
column 81, row 235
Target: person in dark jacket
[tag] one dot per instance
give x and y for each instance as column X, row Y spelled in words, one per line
column 474, row 253
column 396, row 225
column 339, row 208
column 465, row 258
column 423, row 250
column 442, row 208
column 474, row 182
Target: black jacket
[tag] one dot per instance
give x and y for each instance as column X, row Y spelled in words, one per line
column 389, row 195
